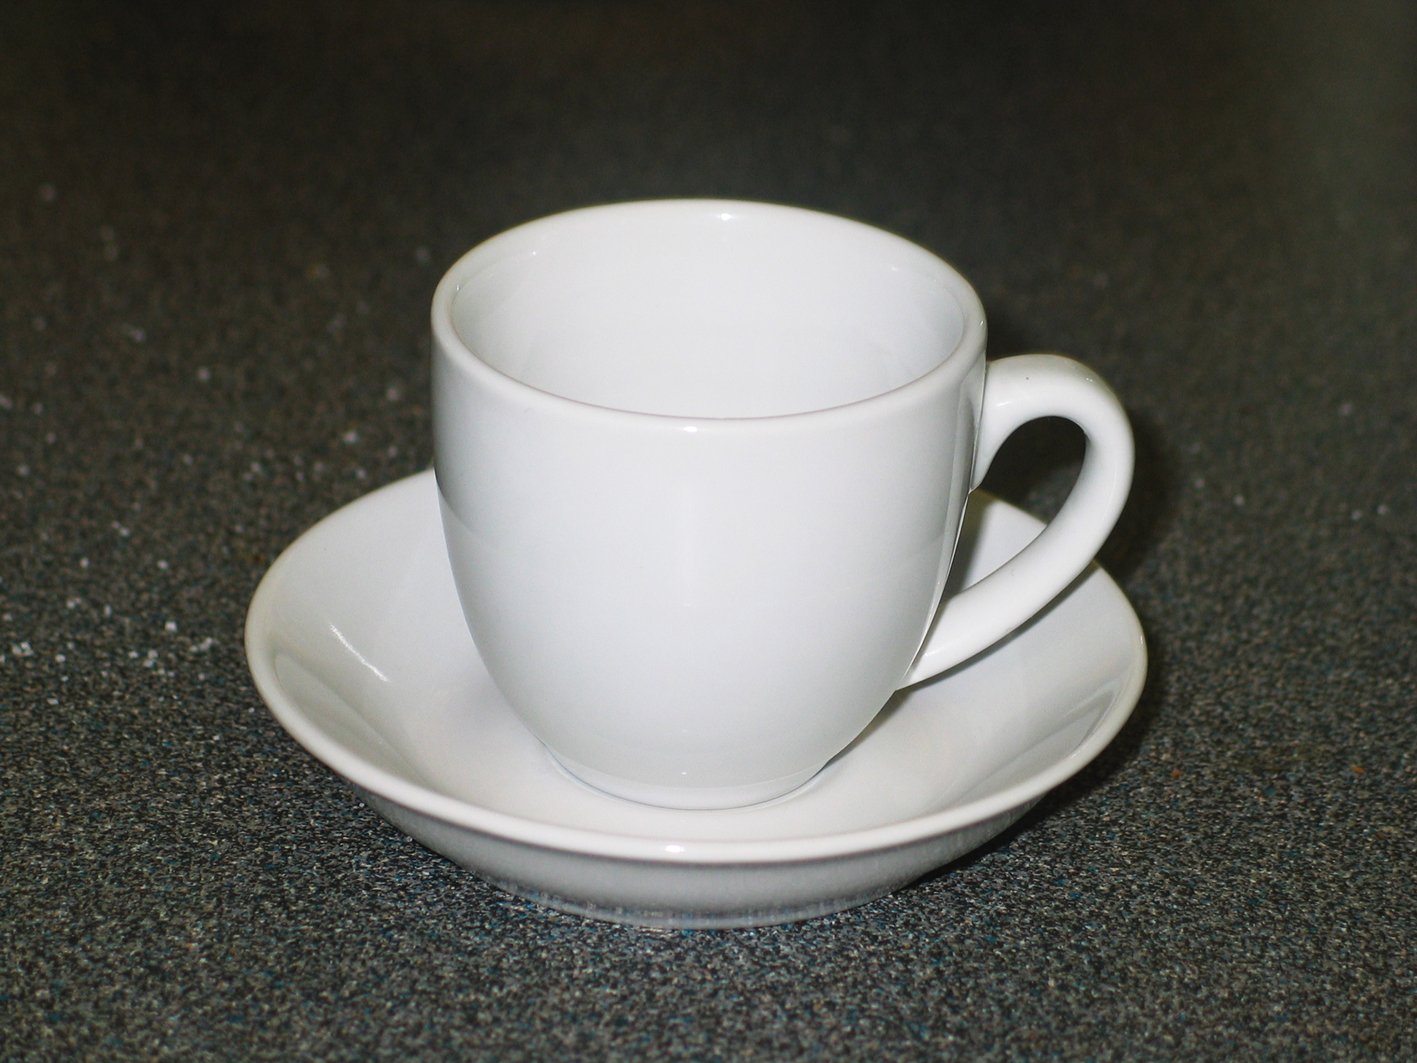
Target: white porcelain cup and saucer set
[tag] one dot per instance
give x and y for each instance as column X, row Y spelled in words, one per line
column 691, row 624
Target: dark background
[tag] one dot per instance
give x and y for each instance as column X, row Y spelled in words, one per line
column 220, row 226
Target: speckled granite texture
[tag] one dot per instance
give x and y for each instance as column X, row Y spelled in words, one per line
column 219, row 229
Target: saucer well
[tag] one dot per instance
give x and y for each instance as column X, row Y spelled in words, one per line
column 357, row 643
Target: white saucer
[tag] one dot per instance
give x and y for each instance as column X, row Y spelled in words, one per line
column 356, row 642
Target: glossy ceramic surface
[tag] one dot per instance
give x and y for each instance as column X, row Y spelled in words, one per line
column 703, row 466
column 356, row 641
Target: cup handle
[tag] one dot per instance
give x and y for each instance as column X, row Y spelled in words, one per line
column 1016, row 390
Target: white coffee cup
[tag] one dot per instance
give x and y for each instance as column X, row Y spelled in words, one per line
column 702, row 466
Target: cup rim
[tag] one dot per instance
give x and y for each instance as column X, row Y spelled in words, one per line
column 450, row 345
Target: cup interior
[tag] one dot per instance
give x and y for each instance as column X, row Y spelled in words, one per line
column 707, row 309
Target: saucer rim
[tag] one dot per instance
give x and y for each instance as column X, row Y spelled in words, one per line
column 418, row 798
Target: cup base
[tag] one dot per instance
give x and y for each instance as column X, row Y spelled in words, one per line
column 695, row 798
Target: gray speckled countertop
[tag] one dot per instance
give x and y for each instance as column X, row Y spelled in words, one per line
column 220, row 226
